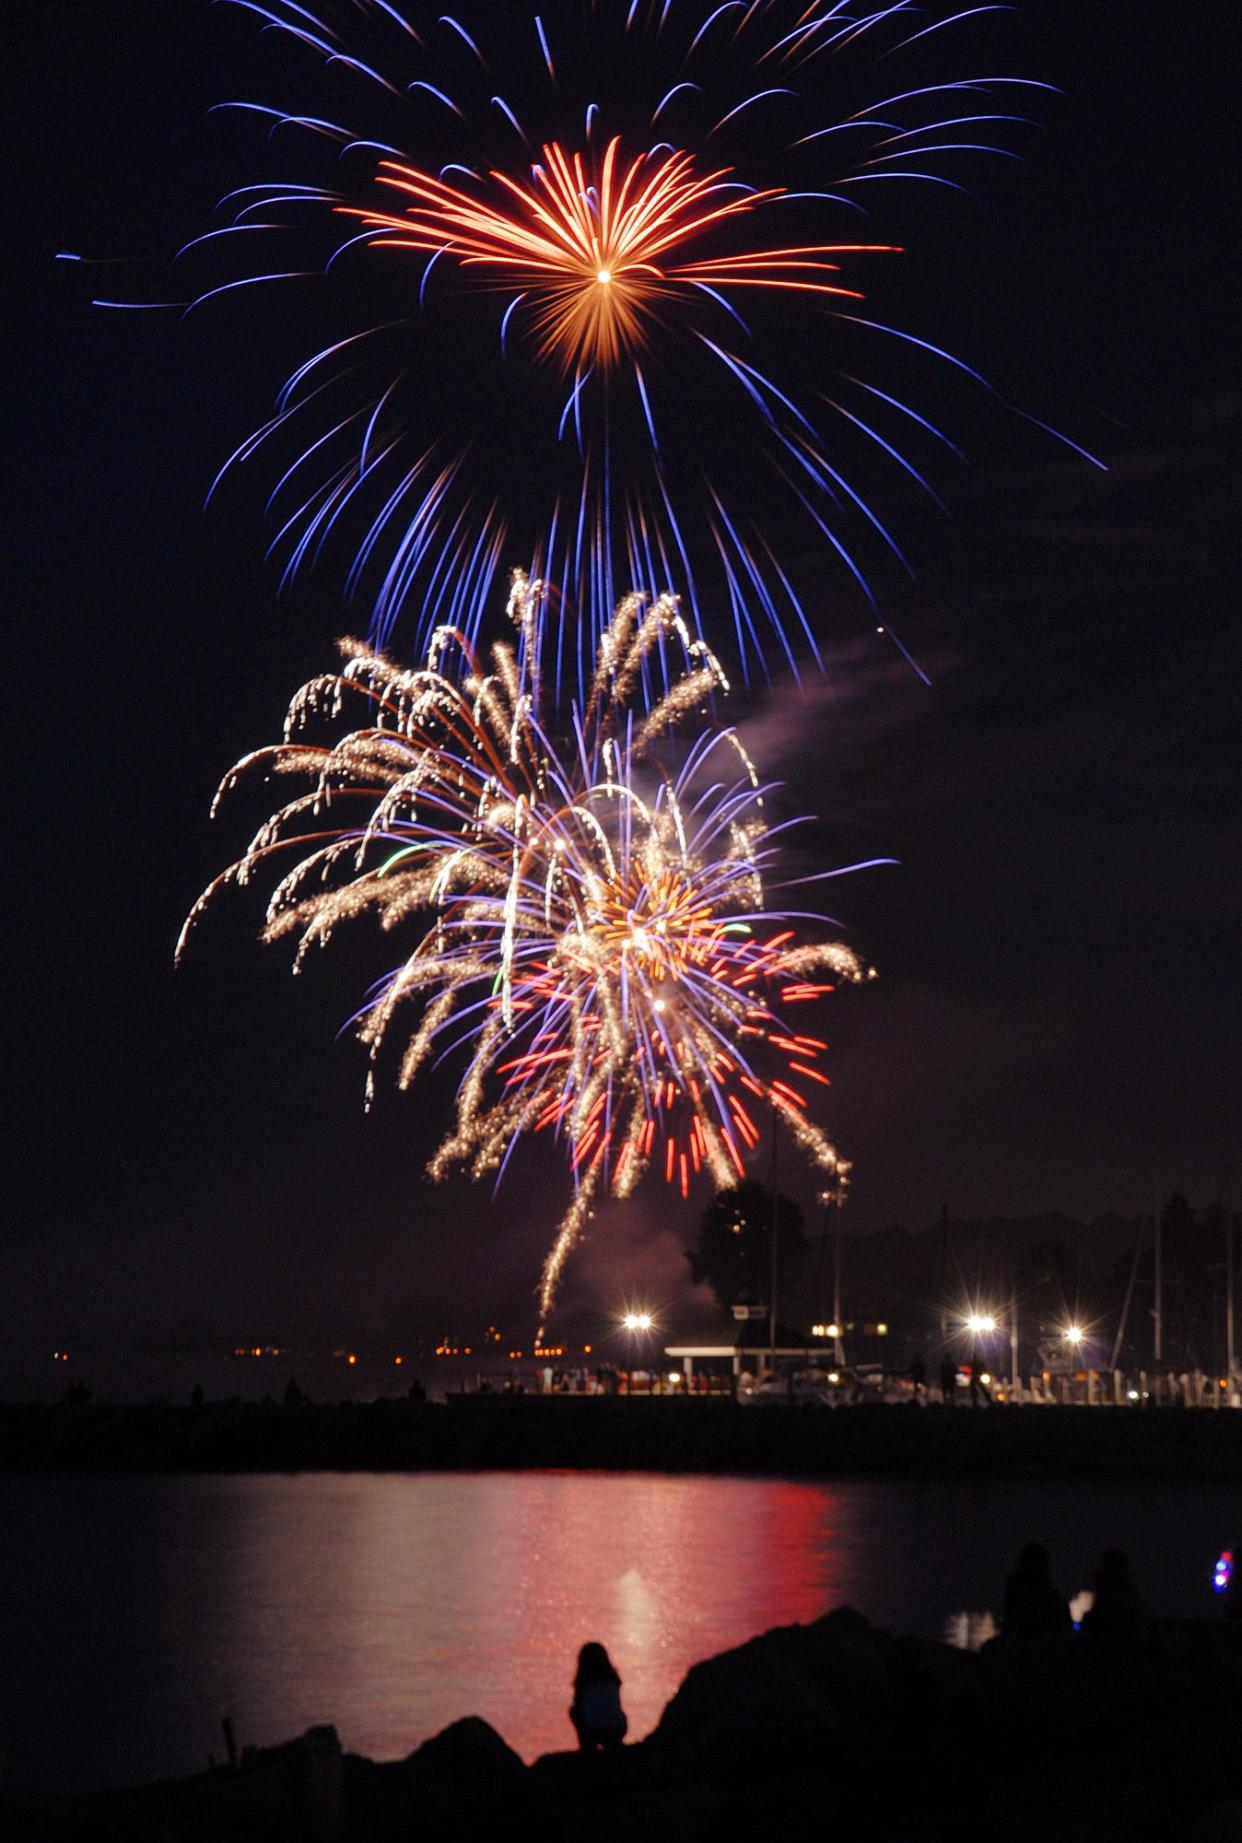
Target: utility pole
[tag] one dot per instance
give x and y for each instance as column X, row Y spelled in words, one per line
column 838, row 1343
column 1013, row 1334
column 772, row 1220
column 1230, row 1352
column 1159, row 1300
column 943, row 1264
column 1125, row 1307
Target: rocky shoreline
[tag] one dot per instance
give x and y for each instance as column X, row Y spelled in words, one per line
column 496, row 1432
column 831, row 1730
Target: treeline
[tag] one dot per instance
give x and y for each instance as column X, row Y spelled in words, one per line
column 1057, row 1271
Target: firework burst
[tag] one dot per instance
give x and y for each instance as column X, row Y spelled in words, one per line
column 598, row 264
column 589, row 935
column 651, row 195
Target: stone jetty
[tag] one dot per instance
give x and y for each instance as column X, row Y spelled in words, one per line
column 478, row 1432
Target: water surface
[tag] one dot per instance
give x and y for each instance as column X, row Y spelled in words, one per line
column 135, row 1612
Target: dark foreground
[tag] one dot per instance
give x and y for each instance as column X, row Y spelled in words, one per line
column 487, row 1432
column 832, row 1730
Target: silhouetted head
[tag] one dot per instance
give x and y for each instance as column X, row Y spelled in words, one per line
column 594, row 1666
column 1035, row 1560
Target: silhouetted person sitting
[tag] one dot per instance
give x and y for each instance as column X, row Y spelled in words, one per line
column 596, row 1710
column 1033, row 1606
column 1117, row 1610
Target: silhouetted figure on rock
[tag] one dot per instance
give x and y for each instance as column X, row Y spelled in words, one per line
column 1033, row 1606
column 1117, row 1611
column 596, row 1710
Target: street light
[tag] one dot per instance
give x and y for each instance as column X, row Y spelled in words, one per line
column 979, row 1327
column 639, row 1325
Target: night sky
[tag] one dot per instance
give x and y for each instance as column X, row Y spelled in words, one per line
column 1056, row 1025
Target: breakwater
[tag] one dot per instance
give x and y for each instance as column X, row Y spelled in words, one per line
column 496, row 1432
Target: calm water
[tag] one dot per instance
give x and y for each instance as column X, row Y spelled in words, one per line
column 135, row 1612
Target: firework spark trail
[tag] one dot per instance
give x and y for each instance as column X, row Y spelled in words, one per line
column 625, row 253
column 589, row 933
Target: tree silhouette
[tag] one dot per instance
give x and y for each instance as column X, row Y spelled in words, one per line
column 734, row 1251
column 1055, row 1285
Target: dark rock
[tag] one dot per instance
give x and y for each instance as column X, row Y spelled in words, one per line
column 830, row 1729
column 839, row 1682
column 1046, row 1690
column 615, row 1797
column 288, row 1794
column 464, row 1784
column 469, row 1746
column 1222, row 1824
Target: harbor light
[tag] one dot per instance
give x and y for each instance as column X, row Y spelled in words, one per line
column 637, row 1321
column 980, row 1323
column 1074, row 1334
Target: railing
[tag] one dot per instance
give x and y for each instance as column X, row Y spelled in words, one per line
column 1093, row 1388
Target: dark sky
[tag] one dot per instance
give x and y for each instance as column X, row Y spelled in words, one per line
column 1056, row 1024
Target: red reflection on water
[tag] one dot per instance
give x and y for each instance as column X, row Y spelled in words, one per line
column 663, row 1571
column 394, row 1605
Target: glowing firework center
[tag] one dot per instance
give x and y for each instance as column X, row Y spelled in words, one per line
column 656, row 924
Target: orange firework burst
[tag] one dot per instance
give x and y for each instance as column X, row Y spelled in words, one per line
column 596, row 260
